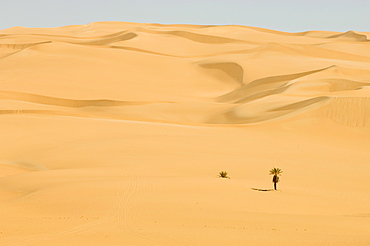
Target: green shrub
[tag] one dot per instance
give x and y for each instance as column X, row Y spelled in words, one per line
column 223, row 174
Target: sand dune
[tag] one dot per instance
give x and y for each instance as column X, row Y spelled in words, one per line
column 19, row 96
column 114, row 134
column 350, row 36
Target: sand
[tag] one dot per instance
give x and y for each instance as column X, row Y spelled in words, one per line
column 114, row 133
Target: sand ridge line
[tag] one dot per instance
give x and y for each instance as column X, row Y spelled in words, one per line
column 16, row 46
column 63, row 102
column 255, row 89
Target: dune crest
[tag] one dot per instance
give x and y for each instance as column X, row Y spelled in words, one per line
column 350, row 36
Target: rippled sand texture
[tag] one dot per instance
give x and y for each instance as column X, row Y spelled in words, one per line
column 114, row 133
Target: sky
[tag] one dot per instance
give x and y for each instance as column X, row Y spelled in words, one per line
column 282, row 15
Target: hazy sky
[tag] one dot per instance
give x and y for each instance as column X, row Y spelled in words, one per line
column 283, row 15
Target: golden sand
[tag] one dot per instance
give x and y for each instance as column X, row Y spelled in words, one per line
column 114, row 134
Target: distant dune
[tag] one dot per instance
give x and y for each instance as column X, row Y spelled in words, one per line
column 113, row 134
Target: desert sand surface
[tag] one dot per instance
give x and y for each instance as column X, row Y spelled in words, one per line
column 114, row 133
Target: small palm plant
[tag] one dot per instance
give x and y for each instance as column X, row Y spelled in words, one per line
column 276, row 172
column 223, row 174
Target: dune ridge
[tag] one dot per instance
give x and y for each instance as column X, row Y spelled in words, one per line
column 351, row 35
column 20, row 46
column 39, row 99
